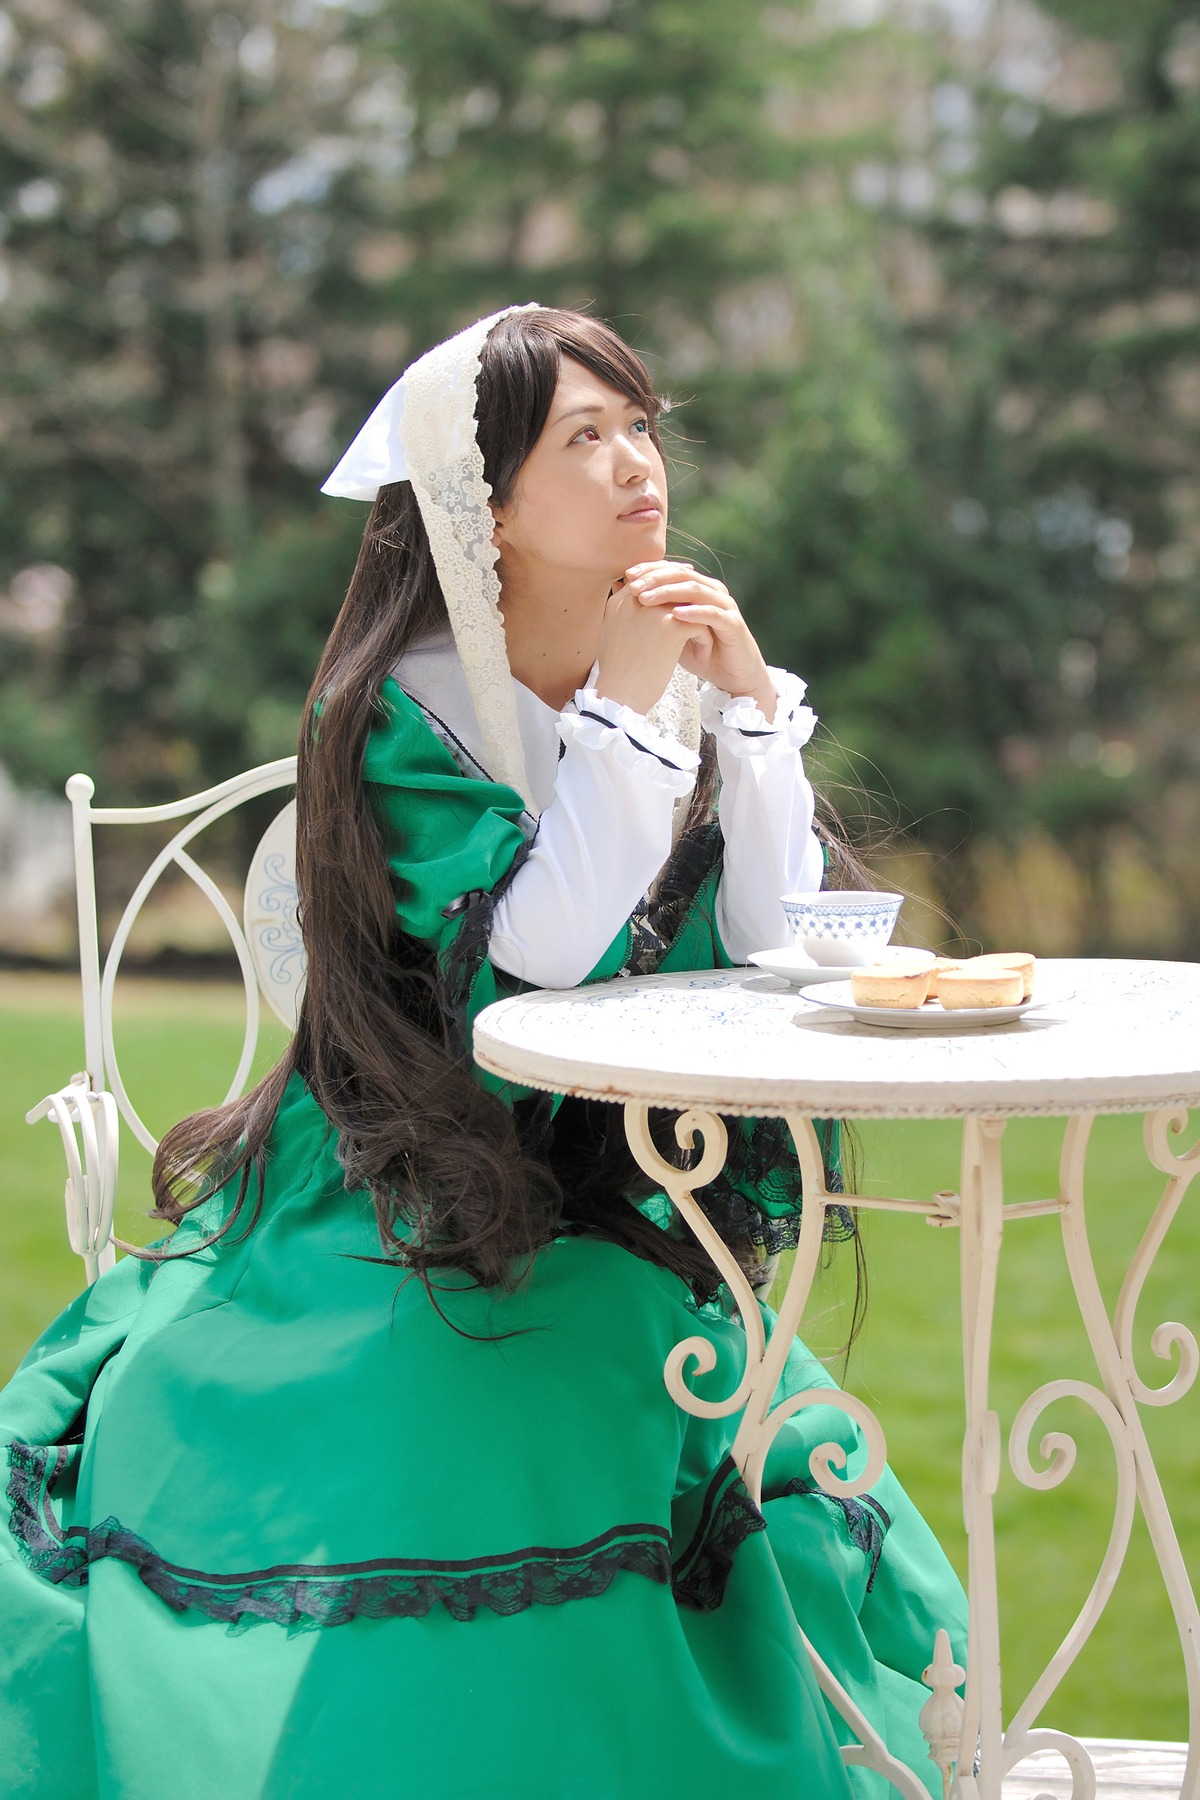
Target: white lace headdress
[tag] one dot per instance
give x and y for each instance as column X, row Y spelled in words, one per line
column 423, row 431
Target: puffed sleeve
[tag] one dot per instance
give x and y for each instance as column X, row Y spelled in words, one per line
column 453, row 843
column 766, row 812
column 600, row 843
column 445, row 835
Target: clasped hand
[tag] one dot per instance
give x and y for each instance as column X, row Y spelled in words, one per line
column 664, row 614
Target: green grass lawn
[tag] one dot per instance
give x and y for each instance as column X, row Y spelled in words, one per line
column 179, row 1046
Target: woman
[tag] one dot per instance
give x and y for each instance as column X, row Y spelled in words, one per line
column 284, row 1524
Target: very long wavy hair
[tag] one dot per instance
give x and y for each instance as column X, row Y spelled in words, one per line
column 455, row 1179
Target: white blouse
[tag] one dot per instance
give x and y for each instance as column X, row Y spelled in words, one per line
column 606, row 783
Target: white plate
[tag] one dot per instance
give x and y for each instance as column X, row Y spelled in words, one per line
column 930, row 1017
column 791, row 964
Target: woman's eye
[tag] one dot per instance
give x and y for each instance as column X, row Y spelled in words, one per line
column 641, row 426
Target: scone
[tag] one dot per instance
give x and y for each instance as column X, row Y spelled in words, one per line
column 1007, row 959
column 939, row 966
column 897, row 983
column 972, row 986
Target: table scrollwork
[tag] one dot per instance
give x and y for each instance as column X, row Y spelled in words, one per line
column 678, row 1184
column 1170, row 1338
column 754, row 1394
column 1058, row 1450
column 1117, row 1407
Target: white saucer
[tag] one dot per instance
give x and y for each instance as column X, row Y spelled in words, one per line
column 791, row 964
column 931, row 1016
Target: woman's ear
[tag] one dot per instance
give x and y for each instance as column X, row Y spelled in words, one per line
column 498, row 523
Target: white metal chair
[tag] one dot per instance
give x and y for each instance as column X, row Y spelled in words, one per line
column 270, row 954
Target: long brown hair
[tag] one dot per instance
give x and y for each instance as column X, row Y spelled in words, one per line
column 458, row 1179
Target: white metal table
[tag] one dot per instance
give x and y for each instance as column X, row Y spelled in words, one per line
column 1127, row 1040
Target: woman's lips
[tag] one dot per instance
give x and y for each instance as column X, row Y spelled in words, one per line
column 642, row 513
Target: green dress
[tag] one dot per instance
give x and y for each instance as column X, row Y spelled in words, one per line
column 275, row 1528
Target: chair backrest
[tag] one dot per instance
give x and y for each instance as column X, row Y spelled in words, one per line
column 266, row 940
column 269, row 917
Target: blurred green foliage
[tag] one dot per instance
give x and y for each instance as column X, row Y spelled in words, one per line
column 926, row 301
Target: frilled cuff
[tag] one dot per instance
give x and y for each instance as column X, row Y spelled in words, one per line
column 603, row 724
column 737, row 721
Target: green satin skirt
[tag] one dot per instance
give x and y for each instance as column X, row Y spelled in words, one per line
column 277, row 1527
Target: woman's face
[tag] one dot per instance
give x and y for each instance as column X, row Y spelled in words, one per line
column 591, row 497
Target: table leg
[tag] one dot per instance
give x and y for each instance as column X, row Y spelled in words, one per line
column 986, row 1752
column 1117, row 1404
column 982, row 1226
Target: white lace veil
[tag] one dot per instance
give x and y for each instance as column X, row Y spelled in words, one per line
column 423, row 431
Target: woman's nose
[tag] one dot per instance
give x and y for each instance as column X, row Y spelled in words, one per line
column 633, row 461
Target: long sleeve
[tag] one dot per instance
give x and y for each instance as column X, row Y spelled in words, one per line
column 766, row 813
column 600, row 843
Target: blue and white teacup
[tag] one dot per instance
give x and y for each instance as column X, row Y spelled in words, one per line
column 842, row 930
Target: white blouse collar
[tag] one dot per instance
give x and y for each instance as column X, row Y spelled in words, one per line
column 433, row 674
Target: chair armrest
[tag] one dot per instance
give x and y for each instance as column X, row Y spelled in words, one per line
column 88, row 1124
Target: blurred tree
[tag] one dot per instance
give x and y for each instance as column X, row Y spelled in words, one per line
column 926, row 647
column 961, row 501
column 1066, row 221
column 163, row 171
column 224, row 232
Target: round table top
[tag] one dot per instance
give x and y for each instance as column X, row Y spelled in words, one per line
column 1127, row 1040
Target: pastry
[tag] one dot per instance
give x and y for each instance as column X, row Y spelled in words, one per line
column 1007, row 959
column 897, row 983
column 972, row 986
column 939, row 966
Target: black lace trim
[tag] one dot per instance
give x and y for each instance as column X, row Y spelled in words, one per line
column 728, row 1517
column 465, row 957
column 758, row 1196
column 307, row 1596
column 467, row 953
column 656, row 923
column 34, row 1471
column 867, row 1522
